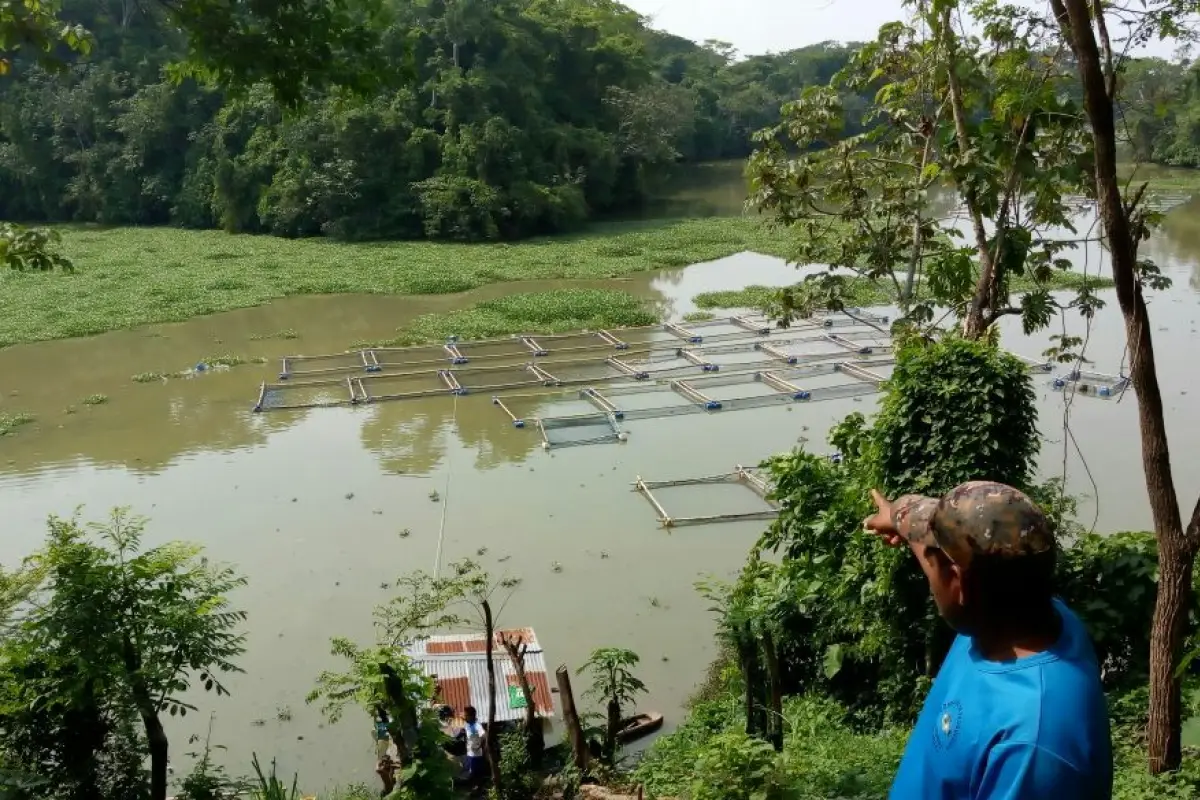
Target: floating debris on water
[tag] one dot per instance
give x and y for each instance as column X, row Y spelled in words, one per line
column 556, row 567
column 349, row 495
column 404, row 534
column 434, row 496
column 481, row 552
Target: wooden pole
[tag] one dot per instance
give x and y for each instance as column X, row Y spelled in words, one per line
column 571, row 718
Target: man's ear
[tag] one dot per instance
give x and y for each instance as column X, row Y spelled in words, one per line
column 957, row 583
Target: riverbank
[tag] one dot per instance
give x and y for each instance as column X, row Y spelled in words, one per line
column 128, row 277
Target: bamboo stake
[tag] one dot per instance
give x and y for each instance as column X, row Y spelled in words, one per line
column 663, row 517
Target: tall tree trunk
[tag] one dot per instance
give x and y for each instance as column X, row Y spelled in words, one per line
column 775, row 723
column 156, row 735
column 492, row 740
column 571, row 718
column 1176, row 547
column 748, row 655
column 611, row 730
column 535, row 740
column 976, row 321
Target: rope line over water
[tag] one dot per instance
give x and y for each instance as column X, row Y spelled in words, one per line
column 437, row 561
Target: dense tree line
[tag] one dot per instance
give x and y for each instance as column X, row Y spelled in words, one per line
column 490, row 119
column 1159, row 111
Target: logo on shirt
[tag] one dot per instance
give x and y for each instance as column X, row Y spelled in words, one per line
column 946, row 725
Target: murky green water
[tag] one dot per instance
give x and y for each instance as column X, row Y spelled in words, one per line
column 311, row 505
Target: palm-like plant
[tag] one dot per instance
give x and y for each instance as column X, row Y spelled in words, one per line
column 615, row 685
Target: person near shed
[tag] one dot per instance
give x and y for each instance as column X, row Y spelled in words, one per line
column 1017, row 711
column 474, row 735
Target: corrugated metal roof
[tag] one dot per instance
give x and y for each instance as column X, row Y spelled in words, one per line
column 459, row 644
column 458, row 663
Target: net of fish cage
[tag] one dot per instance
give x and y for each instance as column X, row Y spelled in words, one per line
column 583, row 429
column 522, row 410
column 1091, row 384
column 351, row 390
column 758, row 487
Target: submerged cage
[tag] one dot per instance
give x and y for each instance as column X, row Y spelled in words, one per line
column 1092, row 384
column 580, row 429
column 740, row 476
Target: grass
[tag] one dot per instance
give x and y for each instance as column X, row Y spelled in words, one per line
column 127, row 277
column 10, row 422
column 859, row 291
column 553, row 311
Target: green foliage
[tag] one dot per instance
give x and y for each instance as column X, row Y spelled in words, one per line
column 269, row 787
column 553, row 311
column 698, row 316
column 614, row 685
column 822, row 757
column 734, row 766
column 32, row 26
column 25, row 249
column 370, row 118
column 611, row 669
column 149, row 377
column 984, row 114
column 135, row 276
column 116, row 634
column 95, row 400
column 520, row 781
column 954, row 411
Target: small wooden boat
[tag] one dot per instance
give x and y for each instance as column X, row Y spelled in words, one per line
column 635, row 727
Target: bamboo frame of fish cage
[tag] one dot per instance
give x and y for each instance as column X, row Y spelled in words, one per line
column 517, row 422
column 601, row 402
column 740, row 475
column 695, row 395
column 457, row 353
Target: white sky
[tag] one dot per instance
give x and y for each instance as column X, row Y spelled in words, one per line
column 763, row 26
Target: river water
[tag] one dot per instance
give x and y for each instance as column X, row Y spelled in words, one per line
column 312, row 505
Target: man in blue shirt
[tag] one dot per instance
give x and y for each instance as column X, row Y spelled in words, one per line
column 1017, row 711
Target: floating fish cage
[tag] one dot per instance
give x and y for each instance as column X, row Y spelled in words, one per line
column 455, row 352
column 582, row 429
column 739, row 391
column 1092, row 384
column 740, row 476
column 494, row 375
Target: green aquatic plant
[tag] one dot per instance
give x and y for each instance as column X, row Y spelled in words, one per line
column 229, row 360
column 286, row 333
column 698, row 316
column 10, row 422
column 149, row 377
column 859, row 291
column 124, row 280
column 95, row 399
column 553, row 311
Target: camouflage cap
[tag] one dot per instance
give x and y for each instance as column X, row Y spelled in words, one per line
column 978, row 517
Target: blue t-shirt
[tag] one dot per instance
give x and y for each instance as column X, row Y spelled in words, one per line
column 1032, row 728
